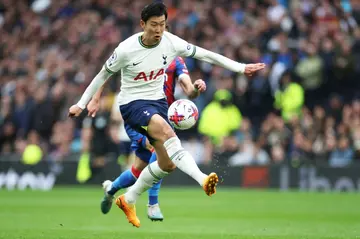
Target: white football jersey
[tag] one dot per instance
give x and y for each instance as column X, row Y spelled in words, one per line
column 143, row 67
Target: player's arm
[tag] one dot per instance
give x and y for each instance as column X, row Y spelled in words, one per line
column 217, row 59
column 112, row 65
column 191, row 90
column 185, row 49
column 94, row 104
column 95, row 84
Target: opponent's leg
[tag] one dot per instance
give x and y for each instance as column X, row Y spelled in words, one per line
column 126, row 179
column 154, row 212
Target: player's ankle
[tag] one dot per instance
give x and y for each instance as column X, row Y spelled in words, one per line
column 153, row 200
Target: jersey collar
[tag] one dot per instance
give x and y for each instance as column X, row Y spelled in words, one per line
column 147, row 46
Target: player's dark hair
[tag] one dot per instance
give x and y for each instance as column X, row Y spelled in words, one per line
column 155, row 9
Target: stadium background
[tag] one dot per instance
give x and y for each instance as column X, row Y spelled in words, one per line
column 294, row 125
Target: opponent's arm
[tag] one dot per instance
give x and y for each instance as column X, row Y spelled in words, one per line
column 191, row 90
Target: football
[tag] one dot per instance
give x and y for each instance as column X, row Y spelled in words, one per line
column 183, row 114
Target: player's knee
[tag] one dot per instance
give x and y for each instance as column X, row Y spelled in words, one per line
column 167, row 166
column 168, row 133
column 135, row 171
column 159, row 129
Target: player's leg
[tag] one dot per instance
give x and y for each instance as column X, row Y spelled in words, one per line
column 138, row 115
column 155, row 171
column 171, row 145
column 152, row 116
column 125, row 180
column 167, row 146
column 154, row 190
column 154, row 212
column 143, row 155
column 128, row 177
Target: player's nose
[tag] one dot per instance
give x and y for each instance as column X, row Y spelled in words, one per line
column 158, row 29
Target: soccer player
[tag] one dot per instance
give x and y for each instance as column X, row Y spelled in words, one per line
column 142, row 60
column 177, row 70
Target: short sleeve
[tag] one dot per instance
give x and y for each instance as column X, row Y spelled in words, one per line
column 116, row 61
column 180, row 67
column 182, row 47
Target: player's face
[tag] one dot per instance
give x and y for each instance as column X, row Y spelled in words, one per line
column 154, row 27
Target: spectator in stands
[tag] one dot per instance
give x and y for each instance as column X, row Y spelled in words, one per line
column 7, row 130
column 342, row 156
column 310, row 70
column 356, row 142
column 49, row 53
column 249, row 154
column 21, row 112
column 335, row 107
column 42, row 112
column 290, row 98
column 220, row 118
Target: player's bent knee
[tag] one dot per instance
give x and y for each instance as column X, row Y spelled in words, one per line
column 159, row 129
column 167, row 166
column 168, row 132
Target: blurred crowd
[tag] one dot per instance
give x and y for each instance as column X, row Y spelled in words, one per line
column 305, row 107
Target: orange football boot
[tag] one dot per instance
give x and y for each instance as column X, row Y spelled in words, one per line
column 129, row 210
column 210, row 183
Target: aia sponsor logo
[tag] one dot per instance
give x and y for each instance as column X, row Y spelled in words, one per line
column 151, row 76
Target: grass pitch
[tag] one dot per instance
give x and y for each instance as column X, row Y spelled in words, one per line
column 189, row 213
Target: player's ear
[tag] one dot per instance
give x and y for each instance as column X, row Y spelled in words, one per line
column 142, row 24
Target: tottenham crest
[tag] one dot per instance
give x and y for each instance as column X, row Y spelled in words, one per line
column 164, row 58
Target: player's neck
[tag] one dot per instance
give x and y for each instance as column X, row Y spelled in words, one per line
column 147, row 41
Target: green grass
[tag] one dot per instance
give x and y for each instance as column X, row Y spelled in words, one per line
column 75, row 213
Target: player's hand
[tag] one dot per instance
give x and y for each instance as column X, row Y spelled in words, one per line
column 200, row 85
column 250, row 69
column 93, row 107
column 74, row 111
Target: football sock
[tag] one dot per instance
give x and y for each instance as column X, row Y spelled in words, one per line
column 183, row 159
column 154, row 190
column 150, row 175
column 126, row 179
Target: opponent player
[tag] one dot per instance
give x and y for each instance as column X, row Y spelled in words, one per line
column 140, row 145
column 142, row 60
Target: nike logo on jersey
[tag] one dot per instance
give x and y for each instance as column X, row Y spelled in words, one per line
column 134, row 64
